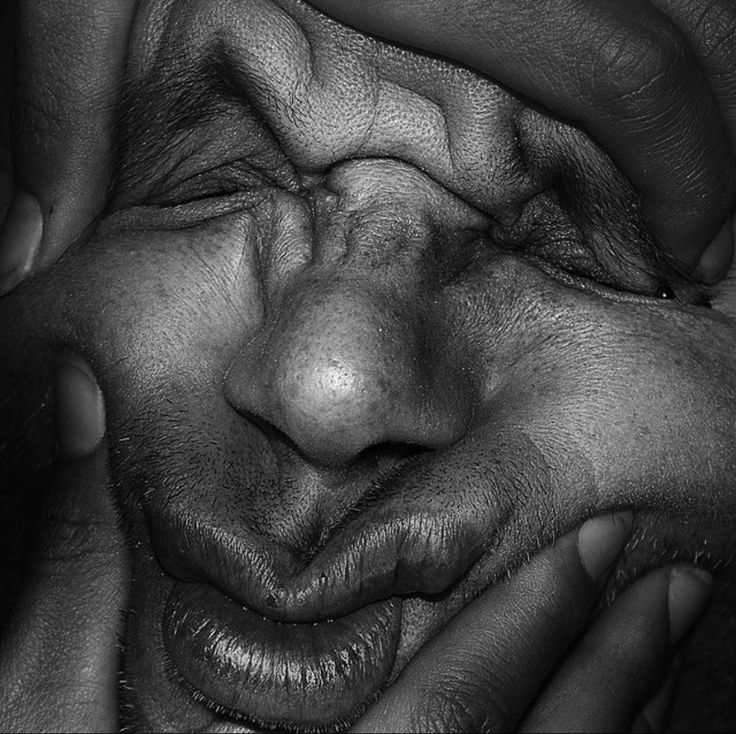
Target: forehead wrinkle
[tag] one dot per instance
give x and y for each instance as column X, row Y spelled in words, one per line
column 373, row 103
column 328, row 94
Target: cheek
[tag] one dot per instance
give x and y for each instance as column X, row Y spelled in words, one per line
column 643, row 397
column 629, row 384
column 630, row 403
column 628, row 406
column 158, row 308
column 157, row 317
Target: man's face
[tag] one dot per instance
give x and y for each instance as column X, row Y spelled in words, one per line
column 370, row 332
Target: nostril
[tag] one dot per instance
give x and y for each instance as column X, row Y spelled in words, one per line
column 342, row 373
column 376, row 472
column 377, row 460
column 278, row 439
column 383, row 463
column 388, row 455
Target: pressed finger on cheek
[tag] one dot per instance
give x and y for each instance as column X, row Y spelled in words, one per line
column 80, row 411
column 462, row 679
column 59, row 671
column 614, row 673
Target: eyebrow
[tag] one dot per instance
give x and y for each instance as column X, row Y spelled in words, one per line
column 177, row 98
column 157, row 113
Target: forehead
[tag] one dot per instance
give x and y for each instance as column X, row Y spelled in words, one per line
column 327, row 93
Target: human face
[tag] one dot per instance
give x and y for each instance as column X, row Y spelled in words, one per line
column 370, row 332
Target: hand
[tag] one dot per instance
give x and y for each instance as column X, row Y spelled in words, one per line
column 58, row 659
column 58, row 662
column 70, row 58
column 484, row 671
column 653, row 81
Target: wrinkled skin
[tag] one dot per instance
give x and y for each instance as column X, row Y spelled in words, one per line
column 368, row 327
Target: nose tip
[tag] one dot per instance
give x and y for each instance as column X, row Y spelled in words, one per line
column 341, row 371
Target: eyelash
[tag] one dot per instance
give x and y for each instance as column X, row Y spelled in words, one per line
column 235, row 185
column 544, row 233
column 216, row 183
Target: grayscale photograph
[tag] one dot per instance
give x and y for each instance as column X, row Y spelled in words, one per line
column 367, row 365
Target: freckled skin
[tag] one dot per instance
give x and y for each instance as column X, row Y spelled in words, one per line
column 266, row 368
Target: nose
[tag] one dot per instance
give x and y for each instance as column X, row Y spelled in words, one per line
column 340, row 367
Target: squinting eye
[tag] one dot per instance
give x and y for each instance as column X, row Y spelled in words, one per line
column 220, row 182
column 544, row 233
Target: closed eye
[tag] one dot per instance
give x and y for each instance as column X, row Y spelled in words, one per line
column 547, row 235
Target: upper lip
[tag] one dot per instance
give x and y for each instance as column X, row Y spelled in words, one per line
column 418, row 539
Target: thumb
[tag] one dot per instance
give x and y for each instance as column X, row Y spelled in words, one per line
column 69, row 65
column 58, row 662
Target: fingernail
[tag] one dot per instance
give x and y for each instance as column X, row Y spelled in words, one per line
column 20, row 239
column 80, row 411
column 601, row 539
column 689, row 591
column 715, row 262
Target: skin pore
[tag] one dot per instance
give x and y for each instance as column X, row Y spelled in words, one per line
column 368, row 328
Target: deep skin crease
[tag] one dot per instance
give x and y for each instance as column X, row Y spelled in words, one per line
column 351, row 305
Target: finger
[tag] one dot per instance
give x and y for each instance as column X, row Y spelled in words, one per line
column 58, row 668
column 710, row 28
column 70, row 57
column 653, row 716
column 624, row 656
column 481, row 672
column 624, row 71
column 716, row 261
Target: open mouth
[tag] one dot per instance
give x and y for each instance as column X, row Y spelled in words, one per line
column 302, row 675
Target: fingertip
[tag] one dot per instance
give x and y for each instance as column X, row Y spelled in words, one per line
column 716, row 260
column 601, row 539
column 20, row 240
column 80, row 411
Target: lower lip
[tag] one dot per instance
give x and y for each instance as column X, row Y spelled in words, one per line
column 274, row 673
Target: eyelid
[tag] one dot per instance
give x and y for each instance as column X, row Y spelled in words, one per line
column 237, row 185
column 221, row 180
column 545, row 232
